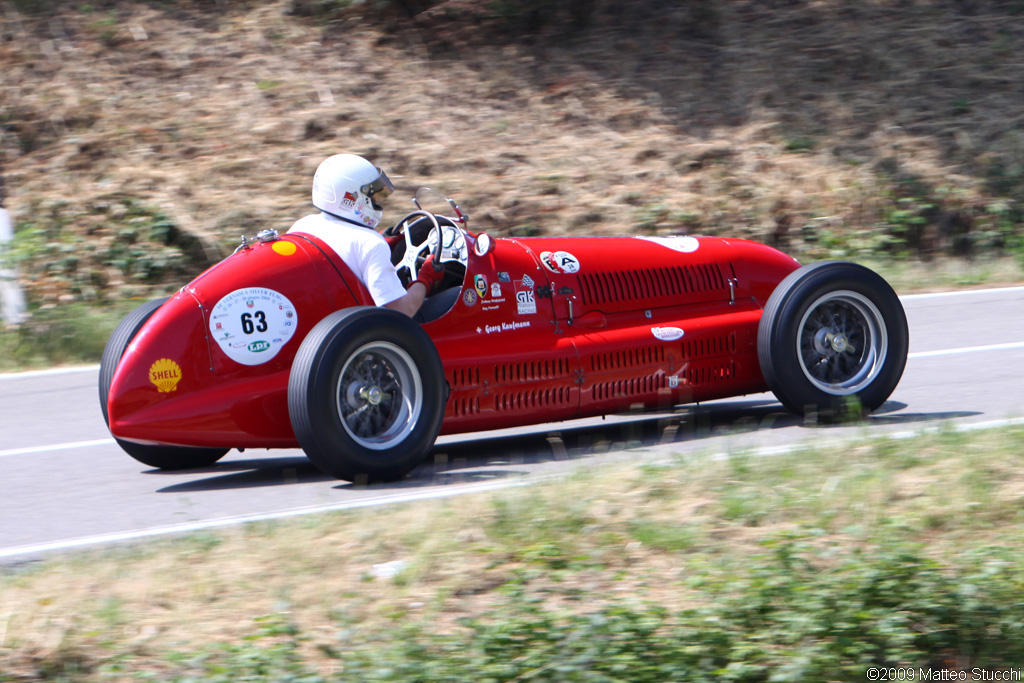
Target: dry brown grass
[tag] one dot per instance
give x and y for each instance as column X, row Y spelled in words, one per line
column 748, row 118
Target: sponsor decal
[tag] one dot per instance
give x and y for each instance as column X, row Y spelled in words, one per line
column 284, row 247
column 667, row 333
column 253, row 324
column 495, row 290
column 504, row 277
column 503, row 327
column 480, row 282
column 525, row 303
column 560, row 262
column 469, row 297
column 348, row 200
column 527, row 282
column 686, row 245
column 165, row 375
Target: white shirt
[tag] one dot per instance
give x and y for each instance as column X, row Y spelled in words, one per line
column 363, row 250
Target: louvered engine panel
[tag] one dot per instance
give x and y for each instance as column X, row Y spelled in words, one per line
column 630, row 289
column 553, row 397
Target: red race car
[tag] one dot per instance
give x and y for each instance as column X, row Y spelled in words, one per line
column 279, row 346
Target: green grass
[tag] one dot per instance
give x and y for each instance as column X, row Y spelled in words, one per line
column 69, row 335
column 812, row 565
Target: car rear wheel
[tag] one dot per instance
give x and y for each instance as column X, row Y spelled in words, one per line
column 833, row 340
column 366, row 394
column 162, row 457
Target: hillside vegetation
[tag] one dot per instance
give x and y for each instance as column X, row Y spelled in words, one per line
column 140, row 139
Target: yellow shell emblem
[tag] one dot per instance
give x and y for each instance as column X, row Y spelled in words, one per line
column 165, row 374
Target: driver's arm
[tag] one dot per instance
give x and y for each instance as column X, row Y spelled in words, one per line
column 410, row 302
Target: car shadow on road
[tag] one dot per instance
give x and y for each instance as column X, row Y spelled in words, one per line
column 488, row 457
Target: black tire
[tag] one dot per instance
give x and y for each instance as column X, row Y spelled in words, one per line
column 162, row 457
column 366, row 394
column 833, row 340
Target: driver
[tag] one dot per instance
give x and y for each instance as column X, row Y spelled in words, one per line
column 348, row 190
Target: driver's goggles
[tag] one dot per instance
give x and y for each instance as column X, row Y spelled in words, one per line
column 379, row 188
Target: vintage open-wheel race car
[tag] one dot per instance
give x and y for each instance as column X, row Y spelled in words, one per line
column 279, row 345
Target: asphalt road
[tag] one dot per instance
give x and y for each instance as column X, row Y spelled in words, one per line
column 64, row 484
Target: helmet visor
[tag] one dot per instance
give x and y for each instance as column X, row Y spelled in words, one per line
column 379, row 189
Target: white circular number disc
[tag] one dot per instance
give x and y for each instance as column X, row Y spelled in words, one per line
column 251, row 325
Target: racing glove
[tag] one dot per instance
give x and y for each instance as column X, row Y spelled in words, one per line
column 428, row 276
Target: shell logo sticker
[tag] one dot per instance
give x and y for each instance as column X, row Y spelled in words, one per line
column 667, row 333
column 165, row 374
column 560, row 262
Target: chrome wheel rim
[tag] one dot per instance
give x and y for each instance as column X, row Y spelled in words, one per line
column 842, row 343
column 379, row 395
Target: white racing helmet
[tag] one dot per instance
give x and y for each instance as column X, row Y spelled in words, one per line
column 350, row 187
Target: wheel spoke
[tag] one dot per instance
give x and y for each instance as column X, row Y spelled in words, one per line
column 841, row 339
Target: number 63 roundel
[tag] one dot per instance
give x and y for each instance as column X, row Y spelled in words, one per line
column 251, row 325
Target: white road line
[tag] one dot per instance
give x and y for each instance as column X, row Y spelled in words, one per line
column 906, row 297
column 913, row 356
column 961, row 292
column 966, row 349
column 56, row 447
column 407, row 497
column 49, row 372
column 189, row 527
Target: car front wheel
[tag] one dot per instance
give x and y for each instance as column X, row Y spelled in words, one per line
column 833, row 340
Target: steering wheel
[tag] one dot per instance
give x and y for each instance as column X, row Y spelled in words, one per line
column 425, row 233
column 416, row 254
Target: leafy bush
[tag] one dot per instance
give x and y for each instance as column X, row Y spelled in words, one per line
column 785, row 616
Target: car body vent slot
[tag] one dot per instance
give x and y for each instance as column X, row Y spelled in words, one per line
column 651, row 283
column 467, row 376
column 627, row 358
column 709, row 346
column 710, row 374
column 462, row 407
column 532, row 371
column 626, row 388
column 533, row 398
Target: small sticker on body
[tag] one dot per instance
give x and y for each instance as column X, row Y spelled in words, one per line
column 667, row 333
column 560, row 262
column 686, row 245
column 165, row 375
column 251, row 325
column 526, row 304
